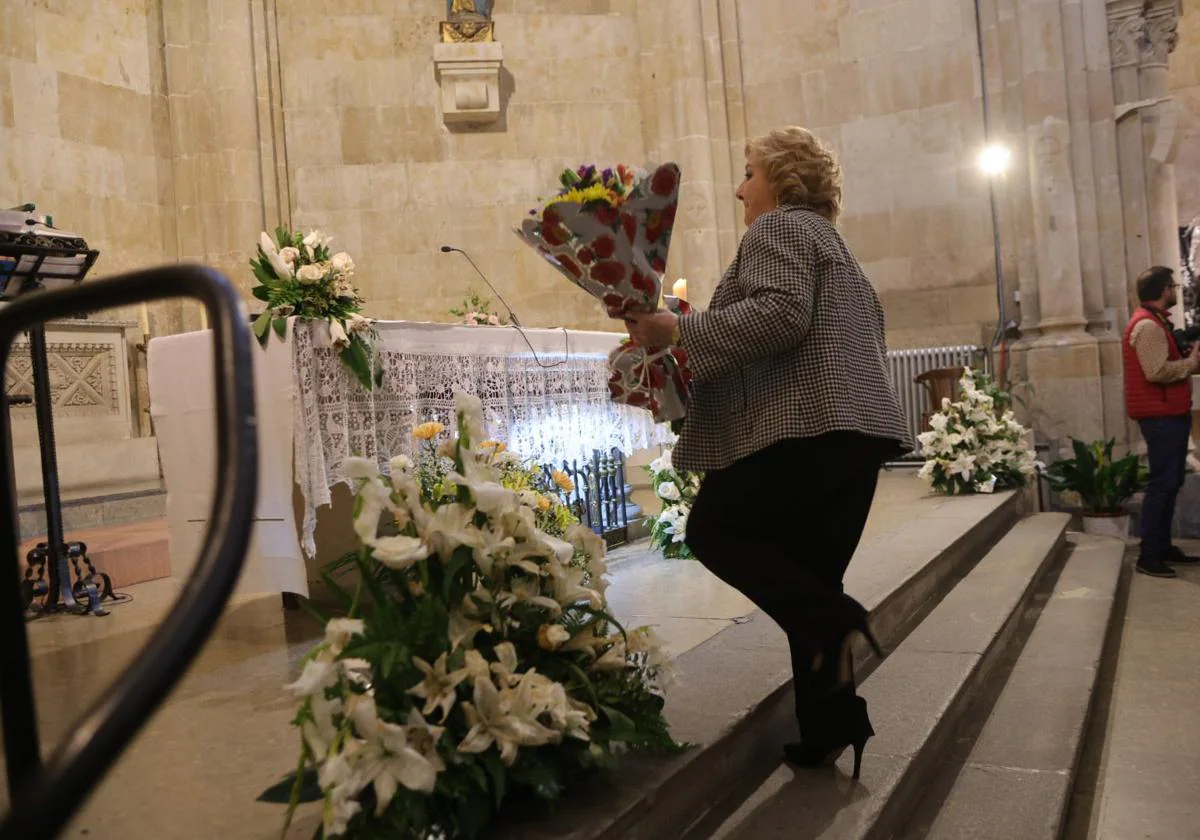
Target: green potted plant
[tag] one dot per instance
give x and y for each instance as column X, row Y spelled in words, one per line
column 1104, row 485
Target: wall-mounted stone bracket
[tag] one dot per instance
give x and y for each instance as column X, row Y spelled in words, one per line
column 469, row 76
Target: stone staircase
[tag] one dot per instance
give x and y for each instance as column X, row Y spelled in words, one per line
column 994, row 625
column 126, row 533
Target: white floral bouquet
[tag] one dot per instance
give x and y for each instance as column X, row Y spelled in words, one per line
column 476, row 312
column 476, row 662
column 299, row 276
column 677, row 492
column 976, row 445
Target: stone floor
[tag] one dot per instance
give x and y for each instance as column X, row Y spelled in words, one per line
column 1139, row 778
column 224, row 734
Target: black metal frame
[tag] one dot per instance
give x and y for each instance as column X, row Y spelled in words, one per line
column 44, row 796
column 27, row 262
column 599, row 498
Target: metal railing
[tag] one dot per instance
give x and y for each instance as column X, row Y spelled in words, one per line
column 600, row 498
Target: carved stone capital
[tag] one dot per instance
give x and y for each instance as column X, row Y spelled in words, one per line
column 1125, row 36
column 1161, row 35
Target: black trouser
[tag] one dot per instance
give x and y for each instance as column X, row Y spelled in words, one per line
column 1166, row 450
column 781, row 526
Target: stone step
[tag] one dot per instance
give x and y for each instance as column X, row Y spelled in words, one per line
column 917, row 698
column 732, row 700
column 96, row 511
column 1017, row 779
column 128, row 554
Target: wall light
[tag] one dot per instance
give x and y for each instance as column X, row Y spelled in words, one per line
column 994, row 159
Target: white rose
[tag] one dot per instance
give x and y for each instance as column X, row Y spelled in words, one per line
column 342, row 263
column 289, row 255
column 337, row 335
column 400, row 464
column 310, row 274
column 343, row 288
column 667, row 490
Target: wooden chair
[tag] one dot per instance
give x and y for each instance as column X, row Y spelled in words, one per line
column 939, row 384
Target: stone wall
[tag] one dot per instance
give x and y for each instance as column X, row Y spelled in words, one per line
column 1185, row 87
column 895, row 89
column 370, row 160
column 84, row 131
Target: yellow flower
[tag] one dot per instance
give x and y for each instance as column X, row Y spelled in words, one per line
column 563, row 481
column 428, row 431
column 493, row 444
column 543, row 504
column 596, row 192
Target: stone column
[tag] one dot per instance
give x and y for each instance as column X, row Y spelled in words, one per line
column 1063, row 360
column 1160, row 135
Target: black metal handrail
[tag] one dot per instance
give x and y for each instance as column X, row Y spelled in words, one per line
column 44, row 797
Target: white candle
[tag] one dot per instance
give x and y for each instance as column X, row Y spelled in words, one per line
column 679, row 289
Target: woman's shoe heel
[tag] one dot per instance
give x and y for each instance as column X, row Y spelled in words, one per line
column 858, row 753
column 870, row 637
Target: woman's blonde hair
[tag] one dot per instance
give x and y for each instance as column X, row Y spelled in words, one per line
column 800, row 169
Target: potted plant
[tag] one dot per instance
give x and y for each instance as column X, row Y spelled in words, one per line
column 1104, row 485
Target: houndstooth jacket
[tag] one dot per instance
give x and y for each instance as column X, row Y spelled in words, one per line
column 791, row 346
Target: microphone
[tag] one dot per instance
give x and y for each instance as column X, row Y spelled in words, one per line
column 512, row 316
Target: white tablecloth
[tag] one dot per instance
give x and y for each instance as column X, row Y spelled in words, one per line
column 544, row 392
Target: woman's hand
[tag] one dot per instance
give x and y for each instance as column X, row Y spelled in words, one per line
column 652, row 329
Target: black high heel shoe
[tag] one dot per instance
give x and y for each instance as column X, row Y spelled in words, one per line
column 839, row 653
column 845, row 724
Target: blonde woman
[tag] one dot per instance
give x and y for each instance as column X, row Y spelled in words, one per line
column 791, row 414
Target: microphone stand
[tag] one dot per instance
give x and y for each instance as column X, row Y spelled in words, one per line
column 446, row 249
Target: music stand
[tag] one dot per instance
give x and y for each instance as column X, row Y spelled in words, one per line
column 40, row 258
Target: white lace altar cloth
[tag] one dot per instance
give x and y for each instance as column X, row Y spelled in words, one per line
column 548, row 398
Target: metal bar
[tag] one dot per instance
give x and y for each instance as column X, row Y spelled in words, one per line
column 43, row 802
column 60, row 572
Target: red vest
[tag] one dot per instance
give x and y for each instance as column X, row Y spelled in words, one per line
column 1145, row 399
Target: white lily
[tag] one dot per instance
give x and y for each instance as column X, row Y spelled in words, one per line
column 471, row 409
column 338, row 632
column 282, row 270
column 492, row 723
column 399, row 552
column 438, row 688
column 337, row 335
column 356, row 467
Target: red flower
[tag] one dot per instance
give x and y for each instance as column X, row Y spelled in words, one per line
column 608, row 272
column 664, row 181
column 642, row 283
column 569, row 264
column 630, row 225
column 604, row 247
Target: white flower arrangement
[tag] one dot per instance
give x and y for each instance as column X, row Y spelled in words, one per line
column 299, row 276
column 976, row 445
column 478, row 659
column 677, row 492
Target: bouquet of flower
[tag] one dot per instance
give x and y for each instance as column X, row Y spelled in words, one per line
column 297, row 275
column 677, row 492
column 476, row 661
column 476, row 312
column 609, row 232
column 976, row 444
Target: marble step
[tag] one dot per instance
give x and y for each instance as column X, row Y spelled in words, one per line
column 918, row 698
column 732, row 700
column 1017, row 779
column 130, row 553
column 96, row 511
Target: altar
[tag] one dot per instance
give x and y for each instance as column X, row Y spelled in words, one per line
column 544, row 392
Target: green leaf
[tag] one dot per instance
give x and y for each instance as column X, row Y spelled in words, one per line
column 495, row 768
column 261, row 324
column 280, row 325
column 263, row 293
